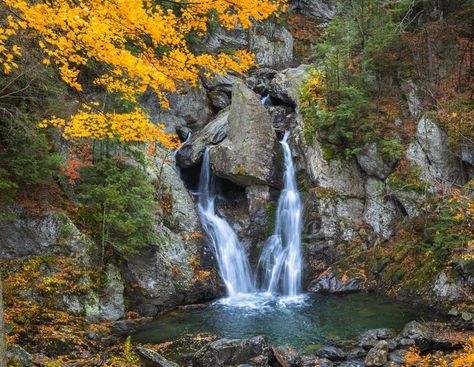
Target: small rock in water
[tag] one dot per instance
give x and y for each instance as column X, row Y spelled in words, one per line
column 377, row 356
column 356, row 353
column 224, row 352
column 150, row 358
column 332, row 353
column 415, row 333
column 313, row 361
column 352, row 363
column 371, row 337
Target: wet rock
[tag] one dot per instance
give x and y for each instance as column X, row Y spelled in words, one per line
column 371, row 337
column 258, row 198
column 398, row 356
column 282, row 117
column 374, row 163
column 285, row 86
column 213, row 133
column 313, row 361
column 331, row 353
column 380, row 211
column 287, row 357
column 150, row 358
column 356, row 353
column 225, row 352
column 415, row 334
column 272, row 45
column 378, row 355
column 249, row 154
column 329, row 282
column 324, row 9
column 352, row 363
column 17, row 356
column 259, row 80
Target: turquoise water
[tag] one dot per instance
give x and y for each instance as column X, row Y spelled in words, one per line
column 301, row 322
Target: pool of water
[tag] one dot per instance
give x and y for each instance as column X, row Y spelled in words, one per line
column 303, row 322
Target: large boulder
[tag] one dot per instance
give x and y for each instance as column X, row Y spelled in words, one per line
column 378, row 355
column 285, row 86
column 249, row 154
column 329, row 282
column 229, row 352
column 213, row 133
column 24, row 235
column 272, row 45
column 415, row 334
column 431, row 153
column 331, row 353
column 374, row 163
column 286, row 356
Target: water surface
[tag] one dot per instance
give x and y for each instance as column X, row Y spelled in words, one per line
column 303, row 322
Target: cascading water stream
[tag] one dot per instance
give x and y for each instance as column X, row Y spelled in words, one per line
column 281, row 258
column 232, row 262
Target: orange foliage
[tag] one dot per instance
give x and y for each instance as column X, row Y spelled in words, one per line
column 80, row 155
column 72, row 34
column 461, row 358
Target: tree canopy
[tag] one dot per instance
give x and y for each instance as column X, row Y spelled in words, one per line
column 132, row 44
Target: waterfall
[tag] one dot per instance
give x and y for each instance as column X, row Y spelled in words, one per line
column 281, row 258
column 232, row 262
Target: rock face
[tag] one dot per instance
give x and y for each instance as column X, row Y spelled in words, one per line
column 325, row 9
column 285, row 86
column 187, row 109
column 228, row 352
column 178, row 268
column 287, row 357
column 379, row 211
column 249, row 154
column 272, row 45
column 51, row 233
column 213, row 133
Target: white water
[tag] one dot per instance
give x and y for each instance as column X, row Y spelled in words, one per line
column 266, row 100
column 280, row 260
column 281, row 257
column 232, row 262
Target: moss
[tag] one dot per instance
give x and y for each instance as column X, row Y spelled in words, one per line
column 328, row 152
column 271, row 209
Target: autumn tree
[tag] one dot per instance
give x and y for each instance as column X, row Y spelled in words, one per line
column 138, row 44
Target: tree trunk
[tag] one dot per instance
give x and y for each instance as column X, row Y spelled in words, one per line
column 3, row 346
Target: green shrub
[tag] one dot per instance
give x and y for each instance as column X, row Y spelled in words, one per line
column 117, row 206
